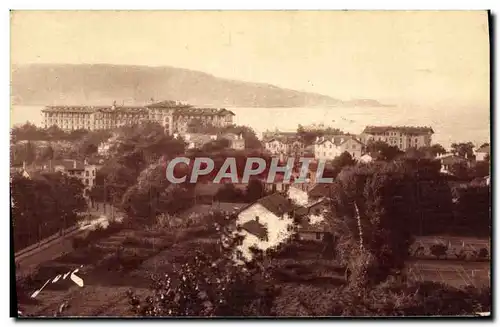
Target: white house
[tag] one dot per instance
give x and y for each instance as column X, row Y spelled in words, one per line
column 197, row 140
column 276, row 146
column 482, row 153
column 236, row 141
column 328, row 148
column 264, row 224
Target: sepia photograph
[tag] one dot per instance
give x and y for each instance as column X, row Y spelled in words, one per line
column 250, row 164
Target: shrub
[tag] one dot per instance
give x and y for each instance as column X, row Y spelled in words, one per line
column 80, row 242
column 438, row 250
column 138, row 242
column 483, row 253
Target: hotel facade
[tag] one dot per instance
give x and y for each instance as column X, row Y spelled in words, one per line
column 172, row 115
column 403, row 137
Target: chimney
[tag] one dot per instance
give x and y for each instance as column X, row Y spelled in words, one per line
column 85, row 162
column 74, row 164
column 24, row 165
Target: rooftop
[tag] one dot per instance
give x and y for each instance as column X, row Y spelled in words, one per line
column 255, row 228
column 484, row 149
column 180, row 109
column 449, row 160
column 276, row 203
column 190, row 111
column 92, row 109
column 414, row 130
column 320, row 191
column 337, row 139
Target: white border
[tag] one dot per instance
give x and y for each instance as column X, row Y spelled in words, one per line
column 180, row 5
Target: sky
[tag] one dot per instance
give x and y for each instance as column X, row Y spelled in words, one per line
column 426, row 58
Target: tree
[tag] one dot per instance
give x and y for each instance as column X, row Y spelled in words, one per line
column 44, row 205
column 374, row 204
column 344, row 160
column 437, row 149
column 89, row 149
column 439, row 250
column 209, row 283
column 28, row 153
column 248, row 134
column 461, row 170
column 229, row 193
column 48, row 153
column 152, row 195
column 473, row 209
column 480, row 169
column 464, row 150
column 112, row 181
column 309, row 136
column 27, row 132
column 255, row 190
column 382, row 151
column 23, row 153
column 55, row 133
column 216, row 145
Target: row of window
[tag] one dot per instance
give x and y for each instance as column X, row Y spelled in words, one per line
column 330, row 146
column 87, row 173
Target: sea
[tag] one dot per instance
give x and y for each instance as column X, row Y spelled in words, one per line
column 450, row 125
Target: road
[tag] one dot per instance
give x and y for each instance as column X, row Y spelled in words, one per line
column 56, row 248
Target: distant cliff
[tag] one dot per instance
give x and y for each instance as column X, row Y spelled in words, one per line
column 46, row 84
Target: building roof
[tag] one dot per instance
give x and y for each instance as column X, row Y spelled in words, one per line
column 198, row 139
column 69, row 164
column 337, row 139
column 275, row 203
column 92, row 109
column 320, row 190
column 180, row 109
column 304, row 210
column 230, row 136
column 306, row 225
column 484, row 149
column 32, row 173
column 284, row 137
column 72, row 109
column 255, row 228
column 124, row 110
column 449, row 160
column 414, row 130
column 190, row 111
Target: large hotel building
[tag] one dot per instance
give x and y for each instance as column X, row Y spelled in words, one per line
column 403, row 137
column 173, row 115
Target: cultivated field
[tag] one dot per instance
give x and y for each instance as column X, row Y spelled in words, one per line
column 107, row 276
column 108, row 273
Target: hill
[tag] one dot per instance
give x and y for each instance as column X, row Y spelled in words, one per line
column 52, row 84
